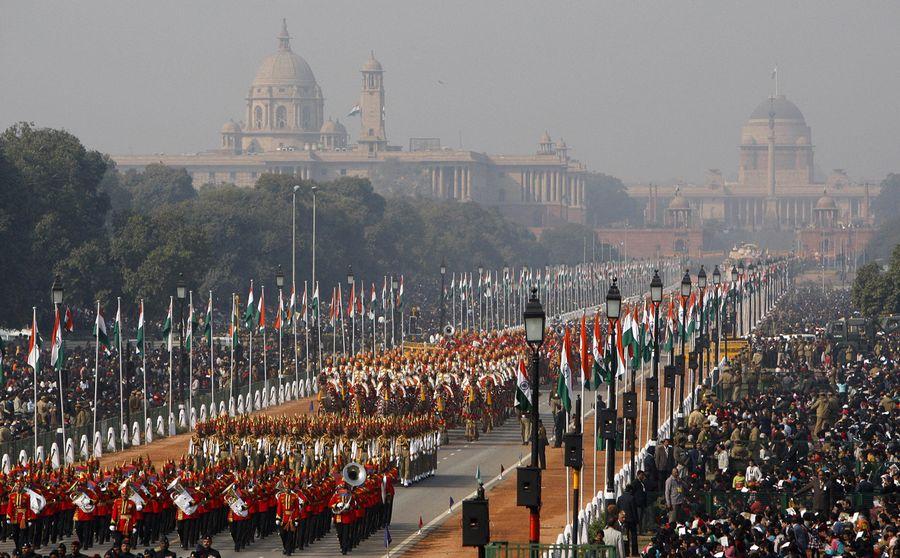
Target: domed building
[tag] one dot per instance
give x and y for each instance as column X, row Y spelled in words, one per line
column 793, row 144
column 285, row 106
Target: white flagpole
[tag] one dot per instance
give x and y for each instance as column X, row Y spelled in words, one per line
column 362, row 319
column 35, row 383
column 190, row 385
column 340, row 303
column 96, row 378
column 212, row 364
column 305, row 337
column 231, row 360
column 594, row 449
column 169, row 346
column 265, row 398
column 318, row 326
column 121, row 386
column 144, row 368
column 249, row 404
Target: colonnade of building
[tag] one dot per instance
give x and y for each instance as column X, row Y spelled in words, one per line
column 543, row 186
column 451, row 182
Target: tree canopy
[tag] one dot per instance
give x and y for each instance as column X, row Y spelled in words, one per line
column 65, row 209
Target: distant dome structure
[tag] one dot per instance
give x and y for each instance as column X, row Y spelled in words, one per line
column 782, row 107
column 334, row 135
column 826, row 202
column 372, row 65
column 285, row 105
column 779, row 117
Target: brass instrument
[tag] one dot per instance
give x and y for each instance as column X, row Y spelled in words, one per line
column 234, row 501
column 80, row 498
column 181, row 497
column 354, row 474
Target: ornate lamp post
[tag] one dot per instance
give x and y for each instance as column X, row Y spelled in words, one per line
column 613, row 309
column 685, row 293
column 279, row 282
column 56, row 290
column 181, row 293
column 535, row 326
column 701, row 283
column 717, row 281
column 656, row 292
column 740, row 300
column 443, row 301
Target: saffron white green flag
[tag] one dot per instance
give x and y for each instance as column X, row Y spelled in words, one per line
column 100, row 330
column 140, row 330
column 523, row 389
column 57, row 355
column 34, row 345
column 167, row 328
column 564, row 381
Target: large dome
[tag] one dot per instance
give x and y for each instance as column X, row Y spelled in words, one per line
column 284, row 68
column 784, row 110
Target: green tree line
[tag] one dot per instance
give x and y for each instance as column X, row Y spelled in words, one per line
column 67, row 210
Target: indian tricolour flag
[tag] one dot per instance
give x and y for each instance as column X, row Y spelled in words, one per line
column 599, row 369
column 57, row 355
column 585, row 354
column 140, row 329
column 167, row 328
column 564, row 381
column 523, row 389
column 100, row 330
column 34, row 345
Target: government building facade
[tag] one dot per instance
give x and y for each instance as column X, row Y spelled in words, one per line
column 284, row 130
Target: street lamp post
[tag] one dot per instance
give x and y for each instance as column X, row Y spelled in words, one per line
column 717, row 281
column 394, row 286
column 613, row 309
column 294, row 288
column 56, row 290
column 701, row 284
column 656, row 292
column 181, row 293
column 535, row 322
column 443, row 298
column 279, row 282
column 751, row 277
column 480, row 297
column 685, row 293
column 740, row 299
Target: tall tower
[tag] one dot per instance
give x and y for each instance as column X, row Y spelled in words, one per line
column 372, row 136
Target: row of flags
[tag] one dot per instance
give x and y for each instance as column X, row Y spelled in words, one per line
column 254, row 316
column 598, row 360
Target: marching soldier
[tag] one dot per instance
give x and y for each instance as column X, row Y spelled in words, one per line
column 287, row 517
column 344, row 510
column 18, row 514
column 125, row 515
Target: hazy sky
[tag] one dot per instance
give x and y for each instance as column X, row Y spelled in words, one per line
column 646, row 90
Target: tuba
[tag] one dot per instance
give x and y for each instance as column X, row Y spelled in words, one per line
column 80, row 498
column 233, row 498
column 181, row 497
column 354, row 474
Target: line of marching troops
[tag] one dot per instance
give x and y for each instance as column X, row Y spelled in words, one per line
column 141, row 503
column 253, row 476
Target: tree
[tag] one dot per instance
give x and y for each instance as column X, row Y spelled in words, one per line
column 608, row 203
column 53, row 206
column 887, row 203
column 869, row 290
column 158, row 185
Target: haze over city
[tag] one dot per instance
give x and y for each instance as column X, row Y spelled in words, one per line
column 652, row 91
